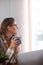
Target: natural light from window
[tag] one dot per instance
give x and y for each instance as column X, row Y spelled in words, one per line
column 37, row 24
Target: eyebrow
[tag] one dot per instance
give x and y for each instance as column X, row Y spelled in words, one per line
column 15, row 25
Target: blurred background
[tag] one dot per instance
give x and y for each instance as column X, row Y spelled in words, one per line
column 29, row 17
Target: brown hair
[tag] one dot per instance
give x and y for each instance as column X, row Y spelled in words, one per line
column 6, row 22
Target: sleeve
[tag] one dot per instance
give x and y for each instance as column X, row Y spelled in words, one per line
column 1, row 46
column 9, row 52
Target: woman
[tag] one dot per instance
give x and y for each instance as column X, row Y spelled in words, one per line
column 7, row 44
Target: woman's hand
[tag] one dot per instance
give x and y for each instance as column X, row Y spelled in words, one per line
column 13, row 44
column 16, row 49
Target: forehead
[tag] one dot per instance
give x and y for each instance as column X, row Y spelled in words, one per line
column 15, row 22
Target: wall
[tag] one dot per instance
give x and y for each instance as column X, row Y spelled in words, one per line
column 19, row 10
column 4, row 9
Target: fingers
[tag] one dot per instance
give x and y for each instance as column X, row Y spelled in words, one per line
column 13, row 43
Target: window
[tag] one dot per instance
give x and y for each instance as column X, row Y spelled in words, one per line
column 37, row 24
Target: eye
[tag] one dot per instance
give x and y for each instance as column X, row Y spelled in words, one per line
column 15, row 25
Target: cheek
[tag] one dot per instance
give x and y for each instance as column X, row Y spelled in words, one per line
column 14, row 30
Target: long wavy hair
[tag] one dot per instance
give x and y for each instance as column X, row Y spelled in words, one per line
column 5, row 23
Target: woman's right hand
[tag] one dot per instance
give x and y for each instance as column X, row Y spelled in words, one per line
column 13, row 44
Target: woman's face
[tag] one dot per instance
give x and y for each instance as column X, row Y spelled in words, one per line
column 13, row 29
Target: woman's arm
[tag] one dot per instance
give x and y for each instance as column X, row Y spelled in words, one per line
column 10, row 50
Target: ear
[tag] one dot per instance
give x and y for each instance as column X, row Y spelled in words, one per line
column 8, row 28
